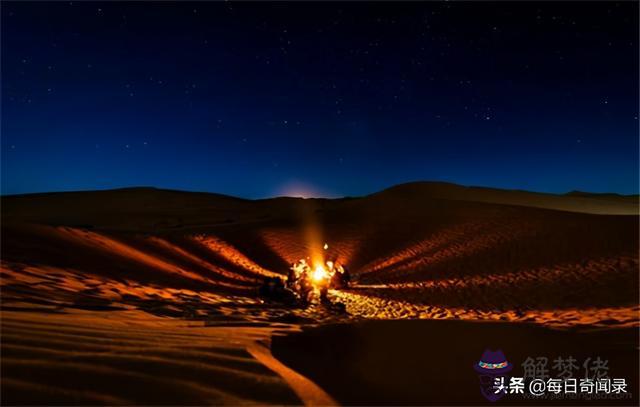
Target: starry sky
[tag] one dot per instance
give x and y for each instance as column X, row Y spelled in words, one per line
column 319, row 99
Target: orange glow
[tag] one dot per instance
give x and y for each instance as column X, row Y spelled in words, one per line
column 320, row 274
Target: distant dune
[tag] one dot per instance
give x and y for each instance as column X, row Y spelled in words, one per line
column 575, row 201
column 158, row 288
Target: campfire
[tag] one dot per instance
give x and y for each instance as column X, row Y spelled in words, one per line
column 320, row 274
column 307, row 276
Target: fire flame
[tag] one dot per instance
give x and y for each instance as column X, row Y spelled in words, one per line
column 320, row 274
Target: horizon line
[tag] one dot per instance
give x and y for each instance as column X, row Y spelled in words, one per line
column 275, row 196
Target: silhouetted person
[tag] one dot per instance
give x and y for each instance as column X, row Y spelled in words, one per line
column 292, row 277
column 337, row 280
column 324, row 290
column 346, row 277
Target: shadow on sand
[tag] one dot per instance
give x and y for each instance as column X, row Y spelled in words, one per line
column 418, row 362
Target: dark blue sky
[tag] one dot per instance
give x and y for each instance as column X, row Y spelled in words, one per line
column 262, row 99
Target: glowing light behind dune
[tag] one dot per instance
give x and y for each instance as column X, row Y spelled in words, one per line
column 297, row 189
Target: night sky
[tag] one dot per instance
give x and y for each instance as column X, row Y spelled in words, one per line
column 321, row 99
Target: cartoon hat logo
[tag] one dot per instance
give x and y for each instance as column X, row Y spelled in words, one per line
column 492, row 364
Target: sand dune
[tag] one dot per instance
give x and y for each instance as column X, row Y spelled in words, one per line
column 148, row 296
column 574, row 201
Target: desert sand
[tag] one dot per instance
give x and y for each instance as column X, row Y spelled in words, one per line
column 148, row 296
